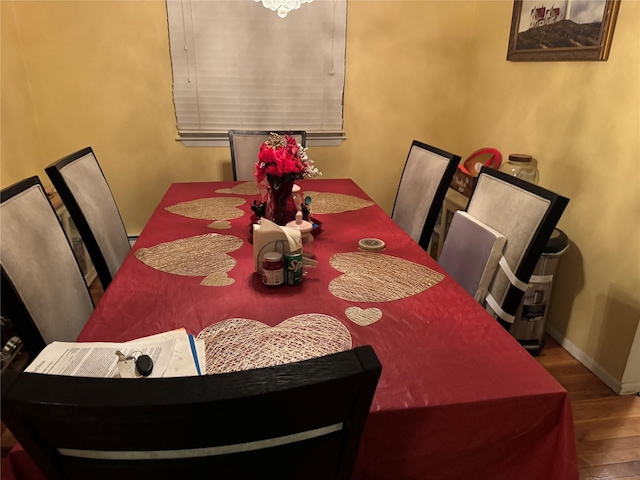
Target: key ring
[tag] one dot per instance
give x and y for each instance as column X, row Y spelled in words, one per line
column 143, row 364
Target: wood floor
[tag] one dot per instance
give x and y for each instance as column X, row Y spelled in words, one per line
column 607, row 426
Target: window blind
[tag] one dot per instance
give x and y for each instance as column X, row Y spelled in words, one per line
column 238, row 65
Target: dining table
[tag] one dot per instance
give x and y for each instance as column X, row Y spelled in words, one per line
column 458, row 397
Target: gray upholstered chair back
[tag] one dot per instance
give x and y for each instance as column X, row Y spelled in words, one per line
column 245, row 145
column 526, row 215
column 427, row 174
column 85, row 192
column 43, row 286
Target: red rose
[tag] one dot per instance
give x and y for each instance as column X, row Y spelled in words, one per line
column 279, row 161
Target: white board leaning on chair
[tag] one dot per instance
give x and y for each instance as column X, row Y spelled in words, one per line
column 471, row 253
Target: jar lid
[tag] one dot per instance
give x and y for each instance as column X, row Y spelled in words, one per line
column 273, row 256
column 371, row 244
column 520, row 157
column 300, row 224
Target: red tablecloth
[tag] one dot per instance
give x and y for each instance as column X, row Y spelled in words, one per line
column 458, row 398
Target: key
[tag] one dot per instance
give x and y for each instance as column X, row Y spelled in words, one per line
column 122, row 357
column 126, row 365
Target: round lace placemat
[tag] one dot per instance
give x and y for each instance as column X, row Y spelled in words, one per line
column 325, row 202
column 217, row 208
column 202, row 255
column 247, row 188
column 376, row 277
column 241, row 344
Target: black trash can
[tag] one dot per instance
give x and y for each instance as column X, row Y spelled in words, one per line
column 528, row 327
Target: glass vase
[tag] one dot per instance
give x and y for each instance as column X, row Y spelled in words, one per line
column 281, row 208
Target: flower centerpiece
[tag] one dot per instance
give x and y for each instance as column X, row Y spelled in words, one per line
column 281, row 161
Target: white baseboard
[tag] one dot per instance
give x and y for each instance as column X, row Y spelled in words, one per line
column 90, row 276
column 630, row 388
column 608, row 379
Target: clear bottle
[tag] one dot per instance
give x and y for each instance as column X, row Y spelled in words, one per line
column 307, row 245
column 521, row 166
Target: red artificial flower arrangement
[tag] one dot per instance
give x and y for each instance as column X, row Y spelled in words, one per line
column 283, row 158
column 281, row 161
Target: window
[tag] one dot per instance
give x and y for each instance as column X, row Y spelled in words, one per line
column 238, row 65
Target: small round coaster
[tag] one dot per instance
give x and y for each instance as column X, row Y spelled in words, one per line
column 371, row 244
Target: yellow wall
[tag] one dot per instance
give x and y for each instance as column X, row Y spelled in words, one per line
column 581, row 120
column 80, row 73
column 19, row 139
column 405, row 80
column 100, row 76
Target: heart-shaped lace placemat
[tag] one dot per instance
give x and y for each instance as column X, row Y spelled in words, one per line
column 375, row 277
column 216, row 208
column 326, row 202
column 241, row 344
column 246, row 188
column 199, row 256
column 363, row 316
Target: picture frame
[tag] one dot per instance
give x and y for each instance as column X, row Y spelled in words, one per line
column 562, row 30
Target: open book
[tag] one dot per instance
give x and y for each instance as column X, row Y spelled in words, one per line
column 174, row 354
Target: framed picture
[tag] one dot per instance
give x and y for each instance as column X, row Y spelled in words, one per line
column 562, row 30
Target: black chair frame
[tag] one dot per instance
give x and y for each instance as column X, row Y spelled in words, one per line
column 78, row 216
column 13, row 306
column 181, row 427
column 534, row 250
column 441, row 191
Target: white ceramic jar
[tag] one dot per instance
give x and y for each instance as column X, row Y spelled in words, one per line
column 305, row 231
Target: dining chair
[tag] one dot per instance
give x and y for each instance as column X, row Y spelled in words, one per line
column 245, row 145
column 526, row 215
column 43, row 290
column 297, row 420
column 85, row 193
column 427, row 174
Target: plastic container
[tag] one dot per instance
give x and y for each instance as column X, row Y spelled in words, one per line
column 272, row 269
column 528, row 327
column 521, row 166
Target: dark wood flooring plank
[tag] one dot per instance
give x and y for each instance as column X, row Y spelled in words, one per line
column 619, row 470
